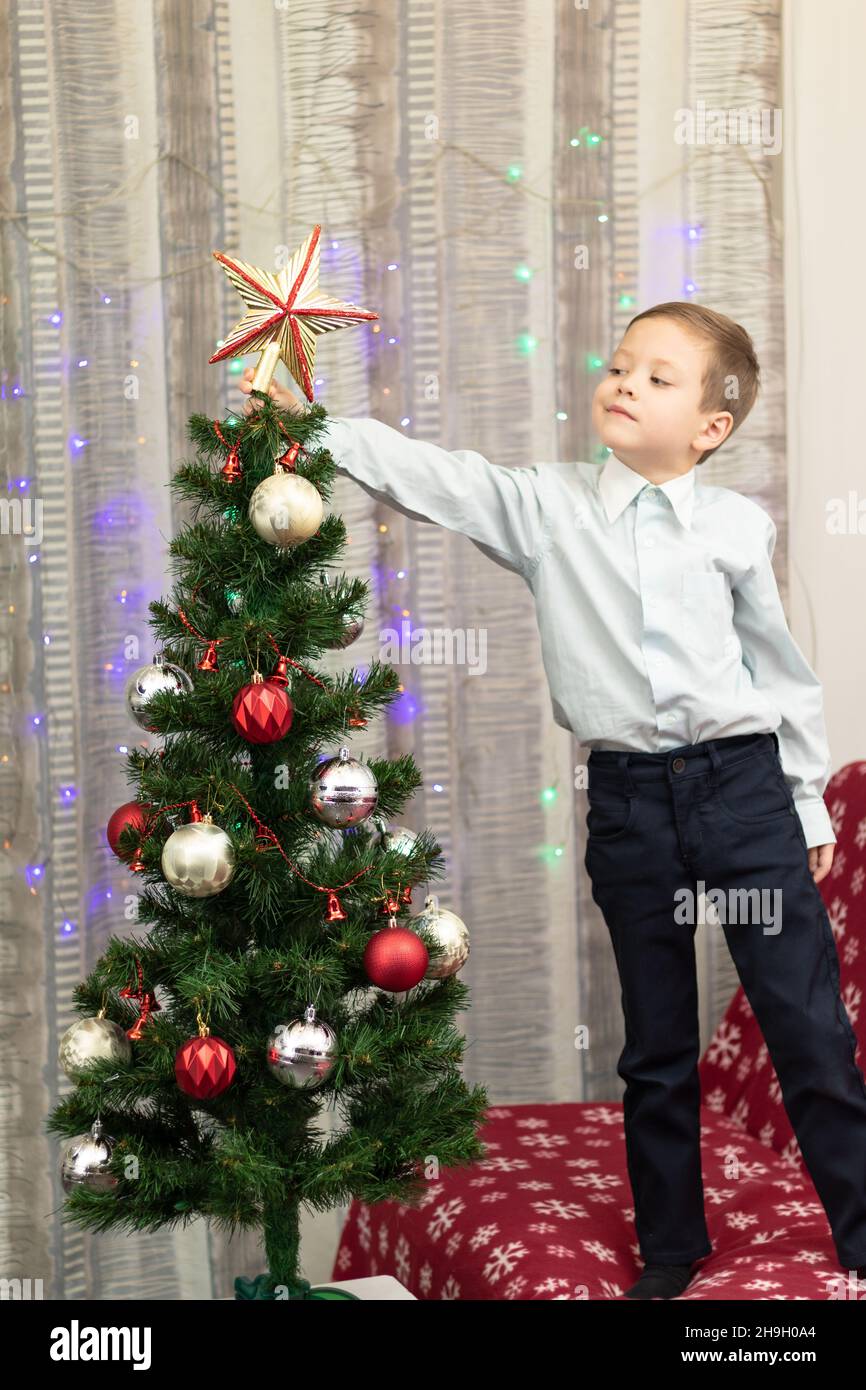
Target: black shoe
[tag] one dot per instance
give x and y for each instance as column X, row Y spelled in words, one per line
column 661, row 1281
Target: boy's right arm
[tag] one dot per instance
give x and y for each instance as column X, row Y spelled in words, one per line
column 498, row 508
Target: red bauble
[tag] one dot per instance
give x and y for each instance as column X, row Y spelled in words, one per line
column 262, row 711
column 133, row 813
column 395, row 958
column 204, row 1067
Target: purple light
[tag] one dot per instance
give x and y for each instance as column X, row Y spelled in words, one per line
column 23, row 482
column 106, row 299
column 34, row 873
column 31, row 559
column 78, row 443
column 68, row 794
column 690, row 287
column 406, row 421
column 121, row 748
column 404, row 709
column 334, row 245
column 392, row 340
column 437, row 786
column 694, row 233
column 16, row 391
column 392, row 265
column 36, row 720
column 56, row 318
column 83, row 362
column 67, row 927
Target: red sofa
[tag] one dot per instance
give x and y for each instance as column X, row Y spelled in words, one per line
column 548, row 1215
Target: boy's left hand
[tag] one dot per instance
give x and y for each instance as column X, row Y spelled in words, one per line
column 820, row 859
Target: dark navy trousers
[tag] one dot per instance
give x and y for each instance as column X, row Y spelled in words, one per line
column 721, row 812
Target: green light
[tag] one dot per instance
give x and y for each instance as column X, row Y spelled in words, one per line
column 548, row 795
column 593, row 363
column 562, row 414
column 514, row 173
column 626, row 301
column 550, row 853
column 232, row 420
column 232, row 513
column 236, row 366
column 527, row 343
column 594, row 140
column 523, row 273
column 574, row 140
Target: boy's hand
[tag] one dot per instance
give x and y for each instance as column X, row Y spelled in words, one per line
column 280, row 395
column 820, row 860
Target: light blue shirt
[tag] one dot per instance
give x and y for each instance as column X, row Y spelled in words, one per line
column 657, row 606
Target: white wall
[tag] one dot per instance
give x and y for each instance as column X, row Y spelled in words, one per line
column 825, row 214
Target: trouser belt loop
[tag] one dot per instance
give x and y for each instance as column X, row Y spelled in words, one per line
column 630, row 788
column 716, row 762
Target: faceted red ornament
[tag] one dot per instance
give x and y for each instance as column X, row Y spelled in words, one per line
column 204, row 1067
column 262, row 711
column 132, row 813
column 395, row 958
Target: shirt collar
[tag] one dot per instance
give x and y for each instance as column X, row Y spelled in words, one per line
column 619, row 485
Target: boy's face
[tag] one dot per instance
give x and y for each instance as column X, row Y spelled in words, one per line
column 655, row 375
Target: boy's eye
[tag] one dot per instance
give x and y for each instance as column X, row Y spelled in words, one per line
column 614, row 371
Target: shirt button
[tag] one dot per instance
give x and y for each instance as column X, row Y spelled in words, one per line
column 652, row 492
column 678, row 764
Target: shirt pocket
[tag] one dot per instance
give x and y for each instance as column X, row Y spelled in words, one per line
column 705, row 612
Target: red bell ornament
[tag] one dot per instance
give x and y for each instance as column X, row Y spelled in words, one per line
column 204, row 1067
column 395, row 958
column 262, row 710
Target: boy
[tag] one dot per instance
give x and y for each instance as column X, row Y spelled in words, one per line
column 667, row 653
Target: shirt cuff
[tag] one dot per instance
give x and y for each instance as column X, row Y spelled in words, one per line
column 815, row 820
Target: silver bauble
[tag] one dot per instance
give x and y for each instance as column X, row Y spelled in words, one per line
column 343, row 791
column 147, row 681
column 84, row 1162
column 286, row 509
column 198, row 859
column 91, row 1040
column 235, row 600
column 451, row 935
column 397, row 837
column 302, row 1053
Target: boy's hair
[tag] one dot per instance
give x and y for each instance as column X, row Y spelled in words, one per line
column 732, row 358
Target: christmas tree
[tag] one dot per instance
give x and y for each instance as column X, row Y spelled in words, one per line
column 282, row 970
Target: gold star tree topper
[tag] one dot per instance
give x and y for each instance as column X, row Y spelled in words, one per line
column 286, row 312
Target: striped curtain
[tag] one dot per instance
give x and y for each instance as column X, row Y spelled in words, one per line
column 479, row 177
